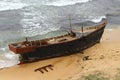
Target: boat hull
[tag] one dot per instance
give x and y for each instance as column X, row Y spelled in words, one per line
column 63, row 49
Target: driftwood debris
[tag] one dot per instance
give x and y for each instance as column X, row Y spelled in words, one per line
column 87, row 58
column 44, row 68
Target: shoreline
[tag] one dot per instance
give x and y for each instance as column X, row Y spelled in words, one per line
column 104, row 58
column 110, row 35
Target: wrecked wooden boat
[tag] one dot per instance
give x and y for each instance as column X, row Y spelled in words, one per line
column 63, row 45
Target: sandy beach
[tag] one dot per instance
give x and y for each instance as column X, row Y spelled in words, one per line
column 103, row 63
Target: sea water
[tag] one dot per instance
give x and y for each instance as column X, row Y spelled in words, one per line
column 38, row 19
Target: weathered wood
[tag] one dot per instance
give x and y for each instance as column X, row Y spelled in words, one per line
column 44, row 68
column 62, row 46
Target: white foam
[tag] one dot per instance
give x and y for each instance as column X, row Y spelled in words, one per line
column 34, row 24
column 8, row 63
column 109, row 29
column 3, row 49
column 8, row 59
column 66, row 2
column 4, row 5
column 36, row 29
column 98, row 19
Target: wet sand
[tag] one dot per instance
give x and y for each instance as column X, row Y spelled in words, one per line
column 103, row 57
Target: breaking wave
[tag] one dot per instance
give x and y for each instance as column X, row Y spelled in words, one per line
column 5, row 5
column 66, row 2
column 98, row 19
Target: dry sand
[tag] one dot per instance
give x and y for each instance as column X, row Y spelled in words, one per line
column 104, row 58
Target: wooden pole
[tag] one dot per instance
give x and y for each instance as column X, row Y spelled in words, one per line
column 70, row 24
column 26, row 39
column 82, row 29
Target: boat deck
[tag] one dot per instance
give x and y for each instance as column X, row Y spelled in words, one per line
column 62, row 39
column 54, row 40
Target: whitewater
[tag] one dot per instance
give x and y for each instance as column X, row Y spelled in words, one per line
column 38, row 19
